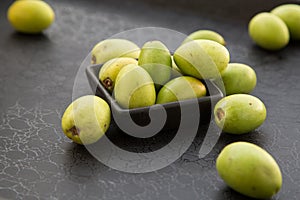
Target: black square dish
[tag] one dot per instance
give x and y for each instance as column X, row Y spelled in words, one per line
column 173, row 109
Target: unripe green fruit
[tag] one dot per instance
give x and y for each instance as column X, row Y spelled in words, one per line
column 30, row 16
column 290, row 14
column 205, row 34
column 239, row 113
column 268, row 31
column 238, row 78
column 134, row 87
column 155, row 58
column 86, row 119
column 250, row 170
column 181, row 88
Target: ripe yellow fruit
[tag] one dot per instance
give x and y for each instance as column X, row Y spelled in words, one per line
column 30, row 16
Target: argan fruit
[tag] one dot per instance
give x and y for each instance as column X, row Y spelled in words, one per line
column 239, row 113
column 134, row 87
column 238, row 78
column 86, row 119
column 114, row 48
column 205, row 34
column 202, row 59
column 155, row 58
column 290, row 14
column 249, row 170
column 30, row 16
column 109, row 71
column 268, row 31
column 181, row 88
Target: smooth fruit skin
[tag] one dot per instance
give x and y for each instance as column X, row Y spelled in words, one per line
column 30, row 16
column 155, row 58
column 175, row 71
column 239, row 113
column 238, row 78
column 174, row 66
column 114, row 48
column 290, row 14
column 205, row 34
column 109, row 71
column 268, row 31
column 250, row 170
column 181, row 88
column 202, row 59
column 134, row 87
column 86, row 119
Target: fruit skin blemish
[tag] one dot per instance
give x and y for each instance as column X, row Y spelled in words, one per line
column 86, row 119
column 239, row 113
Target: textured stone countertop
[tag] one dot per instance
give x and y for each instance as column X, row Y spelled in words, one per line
column 37, row 74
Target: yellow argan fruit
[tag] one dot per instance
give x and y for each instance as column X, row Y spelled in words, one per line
column 30, row 16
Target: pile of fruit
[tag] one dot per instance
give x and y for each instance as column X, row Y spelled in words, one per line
column 246, row 167
column 273, row 30
column 152, row 75
column 143, row 77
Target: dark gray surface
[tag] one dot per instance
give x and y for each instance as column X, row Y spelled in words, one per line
column 37, row 73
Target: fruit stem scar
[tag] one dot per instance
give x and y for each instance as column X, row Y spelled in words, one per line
column 108, row 83
column 220, row 114
column 74, row 130
column 94, row 59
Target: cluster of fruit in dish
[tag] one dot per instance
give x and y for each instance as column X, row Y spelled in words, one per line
column 140, row 77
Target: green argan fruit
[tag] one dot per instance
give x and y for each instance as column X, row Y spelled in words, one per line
column 249, row 170
column 134, row 87
column 114, row 48
column 181, row 88
column 268, row 31
column 30, row 16
column 155, row 58
column 86, row 119
column 239, row 113
column 205, row 34
column 202, row 59
column 238, row 78
column 109, row 71
column 290, row 14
